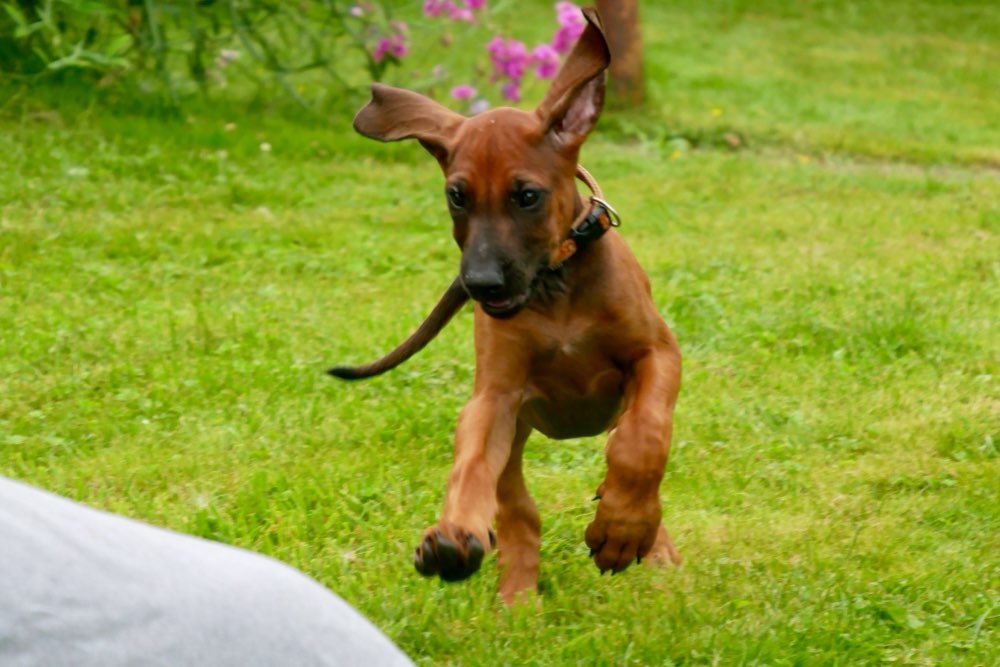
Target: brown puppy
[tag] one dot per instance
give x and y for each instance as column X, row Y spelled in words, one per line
column 568, row 340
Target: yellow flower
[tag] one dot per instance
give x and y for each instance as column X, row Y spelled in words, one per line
column 716, row 111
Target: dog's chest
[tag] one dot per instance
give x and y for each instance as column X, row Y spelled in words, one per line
column 574, row 387
column 578, row 344
column 568, row 352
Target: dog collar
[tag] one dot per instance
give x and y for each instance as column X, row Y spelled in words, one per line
column 598, row 217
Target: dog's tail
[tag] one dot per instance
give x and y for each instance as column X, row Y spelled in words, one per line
column 449, row 304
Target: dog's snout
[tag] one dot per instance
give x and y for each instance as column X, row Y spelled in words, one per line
column 486, row 282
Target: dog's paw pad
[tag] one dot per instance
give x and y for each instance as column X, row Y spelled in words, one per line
column 439, row 555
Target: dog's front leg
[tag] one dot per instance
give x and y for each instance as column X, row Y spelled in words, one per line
column 454, row 547
column 627, row 524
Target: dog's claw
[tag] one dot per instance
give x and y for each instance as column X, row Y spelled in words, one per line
column 592, row 552
column 424, row 560
column 638, row 560
column 493, row 539
column 596, row 497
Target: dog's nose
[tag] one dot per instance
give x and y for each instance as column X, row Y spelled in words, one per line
column 484, row 283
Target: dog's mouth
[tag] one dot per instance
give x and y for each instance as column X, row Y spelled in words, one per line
column 506, row 307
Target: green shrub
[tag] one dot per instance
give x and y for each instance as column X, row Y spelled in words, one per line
column 179, row 48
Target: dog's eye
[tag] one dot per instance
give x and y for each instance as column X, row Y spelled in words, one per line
column 455, row 197
column 528, row 198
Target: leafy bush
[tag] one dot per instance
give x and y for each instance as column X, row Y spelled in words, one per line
column 58, row 35
column 176, row 48
column 179, row 47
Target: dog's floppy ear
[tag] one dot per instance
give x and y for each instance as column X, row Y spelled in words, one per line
column 395, row 113
column 574, row 100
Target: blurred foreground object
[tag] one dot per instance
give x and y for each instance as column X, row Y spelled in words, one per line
column 85, row 587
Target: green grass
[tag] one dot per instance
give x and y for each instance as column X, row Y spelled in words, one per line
column 170, row 295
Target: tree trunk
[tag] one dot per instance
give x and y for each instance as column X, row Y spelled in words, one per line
column 621, row 26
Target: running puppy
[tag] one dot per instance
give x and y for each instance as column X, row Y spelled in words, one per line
column 568, row 339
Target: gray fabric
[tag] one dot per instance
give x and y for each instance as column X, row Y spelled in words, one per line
column 83, row 587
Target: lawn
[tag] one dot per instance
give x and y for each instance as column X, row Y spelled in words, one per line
column 814, row 190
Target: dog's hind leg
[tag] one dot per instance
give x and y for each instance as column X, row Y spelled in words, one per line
column 663, row 550
column 518, row 526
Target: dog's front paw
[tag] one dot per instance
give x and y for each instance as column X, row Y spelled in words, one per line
column 450, row 552
column 622, row 532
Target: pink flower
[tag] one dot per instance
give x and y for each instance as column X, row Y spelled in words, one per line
column 381, row 48
column 433, row 8
column 356, row 11
column 509, row 57
column 463, row 92
column 571, row 25
column 516, row 61
column 565, row 38
column 512, row 91
column 399, row 47
column 456, row 13
column 495, row 45
column 394, row 45
column 546, row 60
column 479, row 106
column 567, row 12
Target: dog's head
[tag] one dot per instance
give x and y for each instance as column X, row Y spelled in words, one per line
column 509, row 174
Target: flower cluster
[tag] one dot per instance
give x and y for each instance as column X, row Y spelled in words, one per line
column 571, row 25
column 545, row 58
column 393, row 44
column 511, row 59
column 454, row 11
column 378, row 40
column 463, row 92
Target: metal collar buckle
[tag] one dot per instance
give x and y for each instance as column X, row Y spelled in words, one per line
column 615, row 219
